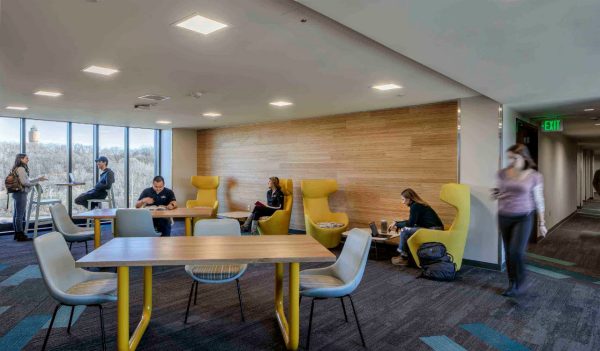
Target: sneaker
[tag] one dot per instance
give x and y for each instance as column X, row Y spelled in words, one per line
column 400, row 261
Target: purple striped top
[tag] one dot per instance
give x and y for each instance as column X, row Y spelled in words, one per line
column 516, row 195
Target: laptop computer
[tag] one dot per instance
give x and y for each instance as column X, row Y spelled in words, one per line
column 375, row 231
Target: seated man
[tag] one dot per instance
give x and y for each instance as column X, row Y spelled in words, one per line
column 158, row 195
column 100, row 191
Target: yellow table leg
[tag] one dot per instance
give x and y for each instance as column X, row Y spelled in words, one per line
column 188, row 226
column 97, row 233
column 290, row 329
column 123, row 340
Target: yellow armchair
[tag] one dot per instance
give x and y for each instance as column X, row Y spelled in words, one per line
column 279, row 222
column 207, row 194
column 315, row 194
column 455, row 238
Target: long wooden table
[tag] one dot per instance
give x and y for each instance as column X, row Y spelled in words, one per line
column 110, row 213
column 173, row 251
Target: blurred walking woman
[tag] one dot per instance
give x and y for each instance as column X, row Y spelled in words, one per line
column 520, row 192
column 21, row 170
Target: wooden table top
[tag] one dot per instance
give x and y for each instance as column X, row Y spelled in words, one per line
column 181, row 212
column 175, row 251
column 234, row 214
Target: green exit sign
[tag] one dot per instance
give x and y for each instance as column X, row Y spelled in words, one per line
column 552, row 125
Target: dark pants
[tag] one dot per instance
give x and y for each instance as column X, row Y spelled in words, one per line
column 261, row 211
column 162, row 225
column 405, row 234
column 515, row 235
column 82, row 199
column 20, row 210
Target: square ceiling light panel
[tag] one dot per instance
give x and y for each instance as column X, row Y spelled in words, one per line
column 200, row 24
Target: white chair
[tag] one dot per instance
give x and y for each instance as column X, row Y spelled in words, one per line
column 340, row 279
column 133, row 222
column 65, row 226
column 215, row 274
column 35, row 199
column 110, row 201
column 68, row 285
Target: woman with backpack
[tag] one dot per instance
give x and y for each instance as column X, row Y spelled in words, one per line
column 520, row 192
column 23, row 185
column 421, row 216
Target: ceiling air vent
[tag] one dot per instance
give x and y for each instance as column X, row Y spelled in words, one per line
column 154, row 97
column 144, row 106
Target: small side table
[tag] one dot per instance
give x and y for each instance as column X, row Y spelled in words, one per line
column 239, row 215
column 377, row 242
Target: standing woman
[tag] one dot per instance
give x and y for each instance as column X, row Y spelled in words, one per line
column 520, row 192
column 274, row 203
column 21, row 169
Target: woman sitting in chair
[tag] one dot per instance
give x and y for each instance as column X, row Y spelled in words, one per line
column 274, row 203
column 421, row 216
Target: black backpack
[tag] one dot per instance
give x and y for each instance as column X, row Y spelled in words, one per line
column 436, row 262
column 12, row 183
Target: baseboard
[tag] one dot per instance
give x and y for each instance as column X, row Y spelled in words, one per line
column 485, row 265
column 554, row 227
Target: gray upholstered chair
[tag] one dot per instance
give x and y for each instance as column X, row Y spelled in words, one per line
column 69, row 285
column 65, row 226
column 340, row 279
column 215, row 274
column 132, row 222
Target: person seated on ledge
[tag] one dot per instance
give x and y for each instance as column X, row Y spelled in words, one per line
column 274, row 203
column 421, row 216
column 162, row 197
column 100, row 191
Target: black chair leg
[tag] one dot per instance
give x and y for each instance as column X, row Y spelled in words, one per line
column 344, row 308
column 70, row 245
column 237, row 282
column 187, row 311
column 357, row 322
column 312, row 308
column 196, row 295
column 50, row 327
column 102, row 328
column 70, row 320
column 86, row 247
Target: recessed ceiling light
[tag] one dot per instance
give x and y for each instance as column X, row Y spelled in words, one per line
column 163, row 122
column 384, row 87
column 18, row 108
column 105, row 71
column 200, row 24
column 589, row 109
column 48, row 93
column 281, row 103
column 211, row 114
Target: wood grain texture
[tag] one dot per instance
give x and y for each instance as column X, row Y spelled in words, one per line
column 171, row 251
column 373, row 155
column 181, row 212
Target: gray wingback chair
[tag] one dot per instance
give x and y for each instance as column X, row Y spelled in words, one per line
column 69, row 285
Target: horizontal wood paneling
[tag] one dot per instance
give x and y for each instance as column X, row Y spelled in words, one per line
column 374, row 156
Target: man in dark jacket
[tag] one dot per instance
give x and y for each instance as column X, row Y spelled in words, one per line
column 100, row 191
column 596, row 181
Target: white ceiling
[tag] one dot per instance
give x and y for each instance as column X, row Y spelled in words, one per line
column 266, row 53
column 528, row 54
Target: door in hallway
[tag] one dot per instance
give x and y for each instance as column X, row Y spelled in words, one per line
column 527, row 134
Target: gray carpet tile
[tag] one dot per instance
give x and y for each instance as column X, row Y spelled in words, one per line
column 395, row 309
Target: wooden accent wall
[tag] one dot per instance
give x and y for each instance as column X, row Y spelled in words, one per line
column 373, row 155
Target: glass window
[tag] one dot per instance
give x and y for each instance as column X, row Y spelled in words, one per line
column 9, row 147
column 46, row 146
column 141, row 161
column 112, row 145
column 82, row 140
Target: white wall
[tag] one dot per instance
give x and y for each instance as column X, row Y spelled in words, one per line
column 184, row 160
column 509, row 130
column 479, row 162
column 557, row 161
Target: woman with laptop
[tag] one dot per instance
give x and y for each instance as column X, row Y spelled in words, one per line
column 274, row 203
column 421, row 216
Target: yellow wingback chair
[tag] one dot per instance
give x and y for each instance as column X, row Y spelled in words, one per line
column 455, row 238
column 315, row 194
column 207, row 193
column 279, row 222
